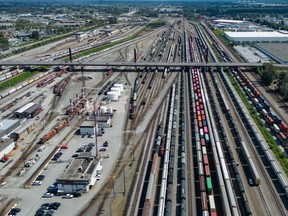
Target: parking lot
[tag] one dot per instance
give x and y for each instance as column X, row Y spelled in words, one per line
column 31, row 199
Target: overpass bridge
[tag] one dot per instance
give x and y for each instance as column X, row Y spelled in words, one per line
column 136, row 64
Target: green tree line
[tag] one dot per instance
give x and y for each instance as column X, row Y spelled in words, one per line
column 270, row 76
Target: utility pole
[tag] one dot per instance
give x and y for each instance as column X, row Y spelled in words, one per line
column 83, row 82
column 123, row 170
column 95, row 129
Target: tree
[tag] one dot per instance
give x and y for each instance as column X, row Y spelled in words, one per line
column 36, row 35
column 4, row 43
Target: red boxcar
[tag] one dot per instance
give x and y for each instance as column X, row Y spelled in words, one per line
column 207, row 171
column 202, row 183
column 284, row 127
column 205, row 159
column 203, row 142
column 270, row 120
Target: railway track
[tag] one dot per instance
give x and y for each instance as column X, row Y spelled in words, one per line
column 257, row 157
column 191, row 207
column 242, row 132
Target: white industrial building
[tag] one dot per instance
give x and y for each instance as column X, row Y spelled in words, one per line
column 81, row 174
column 6, row 146
column 228, row 21
column 253, row 37
column 7, row 126
column 104, row 121
column 87, row 128
column 80, row 35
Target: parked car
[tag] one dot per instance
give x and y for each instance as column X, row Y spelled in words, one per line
column 75, row 155
column 14, row 211
column 37, row 183
column 48, row 195
column 80, row 150
column 98, row 177
column 103, row 149
column 251, row 182
column 68, row 196
column 64, row 147
column 105, row 144
column 55, row 205
column 40, row 177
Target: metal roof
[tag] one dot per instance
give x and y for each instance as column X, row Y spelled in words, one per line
column 229, row 21
column 7, row 123
column 256, row 35
column 4, row 143
column 24, row 108
column 32, row 108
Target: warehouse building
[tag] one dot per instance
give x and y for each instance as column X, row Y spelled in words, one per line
column 87, row 128
column 80, row 35
column 7, row 126
column 28, row 111
column 6, row 146
column 277, row 51
column 23, row 131
column 81, row 174
column 253, row 37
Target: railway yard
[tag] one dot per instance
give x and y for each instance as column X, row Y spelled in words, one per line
column 167, row 141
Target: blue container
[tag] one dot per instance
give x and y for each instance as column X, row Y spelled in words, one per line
column 204, row 123
column 259, row 107
column 266, row 105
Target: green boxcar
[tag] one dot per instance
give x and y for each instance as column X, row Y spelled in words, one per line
column 209, row 185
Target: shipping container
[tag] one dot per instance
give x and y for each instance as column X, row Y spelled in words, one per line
column 207, row 139
column 255, row 101
column 201, row 132
column 206, row 130
column 207, row 171
column 204, row 201
column 266, row 105
column 203, row 117
column 203, row 142
column 270, row 120
column 205, row 159
column 209, row 185
column 278, row 119
column 284, row 127
column 213, row 214
column 276, row 128
column 264, row 112
column 204, row 150
column 202, row 183
column 259, row 107
column 200, row 168
column 200, row 124
column 212, row 203
column 204, row 123
column 257, row 93
column 282, row 136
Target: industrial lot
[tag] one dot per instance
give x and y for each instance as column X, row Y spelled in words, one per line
column 87, row 140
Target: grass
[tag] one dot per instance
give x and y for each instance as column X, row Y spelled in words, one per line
column 265, row 132
column 220, row 34
column 16, row 80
